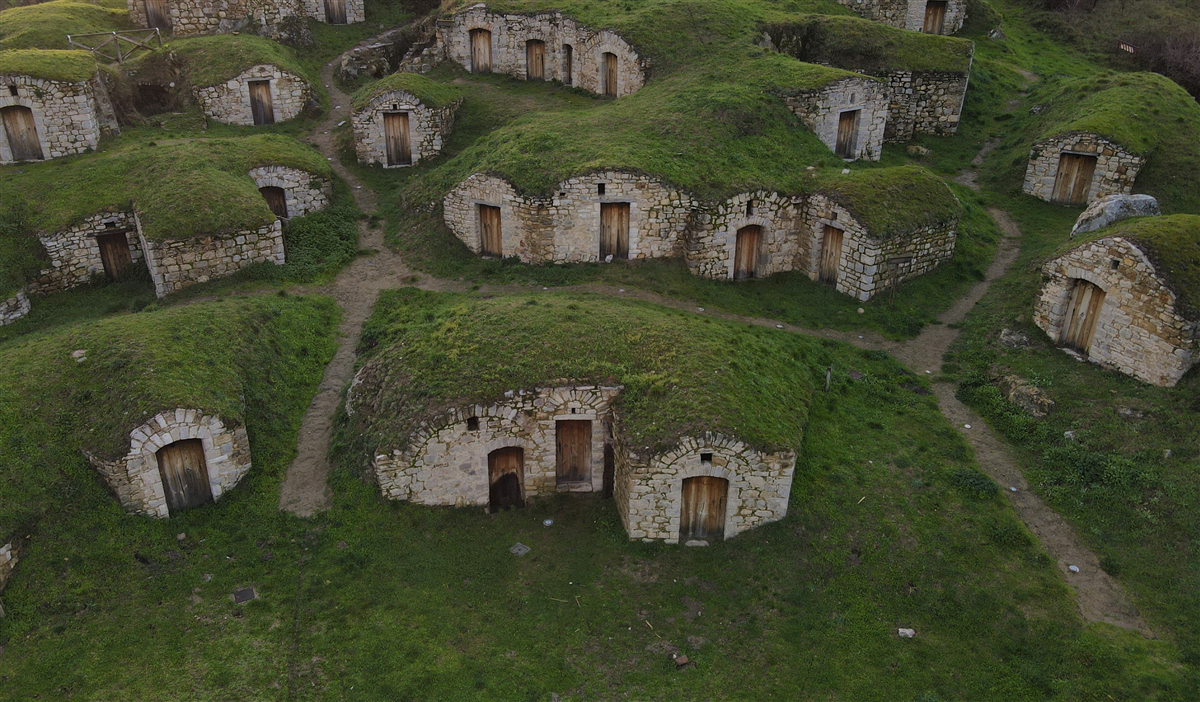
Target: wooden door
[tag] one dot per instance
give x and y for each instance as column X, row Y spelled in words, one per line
column 608, row 73
column 184, row 474
column 935, row 17
column 481, row 51
column 276, row 199
column 1086, row 301
column 614, row 230
column 114, row 254
column 573, row 449
column 260, row 102
column 1073, row 181
column 745, row 255
column 831, row 255
column 847, row 133
column 702, row 515
column 21, row 132
column 335, row 11
column 157, row 14
column 490, row 243
column 535, row 60
column 568, row 56
column 395, row 132
column 506, row 478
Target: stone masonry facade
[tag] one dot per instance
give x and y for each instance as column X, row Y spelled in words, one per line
column 70, row 118
column 191, row 17
column 908, row 14
column 428, row 127
column 8, row 563
column 711, row 241
column 1140, row 329
column 924, row 102
column 177, row 263
column 75, row 252
column 229, row 102
column 135, row 478
column 820, row 110
column 14, row 308
column 303, row 192
column 1116, row 167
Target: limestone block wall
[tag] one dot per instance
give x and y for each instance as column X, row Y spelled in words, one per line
column 1140, row 330
column 69, row 118
column 355, row 10
column 176, row 264
column 8, row 562
column 446, row 461
column 302, row 191
column 712, row 239
column 820, row 111
column 649, row 488
column 191, row 17
column 428, row 128
column 135, row 478
column 908, row 14
column 509, row 33
column 14, row 308
column 229, row 102
column 1116, row 168
column 924, row 102
column 75, row 252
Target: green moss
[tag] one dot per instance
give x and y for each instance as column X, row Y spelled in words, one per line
column 429, row 92
column 893, row 201
column 68, row 66
column 209, row 60
column 860, row 44
column 46, row 25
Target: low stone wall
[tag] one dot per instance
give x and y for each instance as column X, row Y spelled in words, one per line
column 355, row 10
column 908, row 14
column 135, row 478
column 428, row 128
column 821, row 109
column 650, row 487
column 1140, row 330
column 303, row 192
column 1116, row 168
column 14, row 308
column 924, row 102
column 229, row 102
column 710, row 244
column 70, row 118
column 8, row 563
column 191, row 17
column 75, row 252
column 176, row 264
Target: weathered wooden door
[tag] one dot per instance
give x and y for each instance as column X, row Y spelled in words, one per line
column 1086, row 301
column 184, row 474
column 276, row 199
column 573, row 449
column 831, row 255
column 1074, row 178
column 490, row 243
column 614, row 230
column 608, row 73
column 335, row 11
column 506, row 478
column 114, row 254
column 702, row 515
column 935, row 17
column 745, row 254
column 481, row 51
column 21, row 132
column 157, row 14
column 847, row 133
column 260, row 102
column 395, row 132
column 535, row 60
column 568, row 57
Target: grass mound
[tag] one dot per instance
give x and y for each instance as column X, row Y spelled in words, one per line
column 429, row 92
column 46, row 25
column 859, row 44
column 61, row 65
column 208, row 60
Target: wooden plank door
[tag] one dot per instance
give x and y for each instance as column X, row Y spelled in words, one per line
column 481, row 51
column 935, row 17
column 184, row 474
column 573, row 450
column 114, row 254
column 21, row 132
column 745, row 255
column 568, row 57
column 276, row 199
column 490, row 242
column 702, row 515
column 831, row 255
column 335, row 11
column 535, row 60
column 847, row 133
column 1073, row 181
column 608, row 73
column 1086, row 301
column 614, row 230
column 260, row 102
column 157, row 14
column 395, row 133
column 506, row 478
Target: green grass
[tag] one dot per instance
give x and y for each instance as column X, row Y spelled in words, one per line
column 858, row 44
column 208, row 60
column 46, row 25
column 61, row 65
column 431, row 93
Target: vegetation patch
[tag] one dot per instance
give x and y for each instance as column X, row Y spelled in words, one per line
column 60, row 65
column 892, row 202
column 431, row 93
column 860, row 44
column 208, row 60
column 46, row 25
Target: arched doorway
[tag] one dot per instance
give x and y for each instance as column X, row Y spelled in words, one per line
column 535, row 60
column 481, row 51
column 396, row 137
column 506, row 478
column 1079, row 327
column 184, row 474
column 261, row 107
column 21, row 132
column 608, row 74
column 831, row 255
column 276, row 199
column 702, row 514
column 745, row 254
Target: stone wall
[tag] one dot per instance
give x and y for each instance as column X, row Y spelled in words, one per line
column 70, row 118
column 8, row 563
column 191, row 17
column 711, row 241
column 75, row 253
column 428, row 128
column 303, row 191
column 135, row 478
column 924, row 102
column 1140, row 330
column 820, row 110
column 14, row 308
column 229, row 102
column 1116, row 168
column 649, row 488
column 908, row 14
column 177, row 263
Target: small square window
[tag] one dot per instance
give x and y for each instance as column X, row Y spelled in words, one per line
column 395, row 107
column 473, row 424
column 600, row 189
column 833, row 217
column 573, row 410
column 706, row 458
column 110, row 225
column 750, row 208
column 1116, row 263
column 12, row 90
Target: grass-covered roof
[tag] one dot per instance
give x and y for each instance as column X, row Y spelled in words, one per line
column 863, row 45
column 49, row 64
column 208, row 60
column 46, row 25
column 893, row 201
column 430, row 92
column 424, row 353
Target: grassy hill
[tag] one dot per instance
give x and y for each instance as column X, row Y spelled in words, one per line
column 46, row 25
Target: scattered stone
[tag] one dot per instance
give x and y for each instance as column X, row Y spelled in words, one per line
column 1069, row 435
column 1012, row 339
column 861, row 311
column 681, row 661
column 341, row 544
column 1166, row 454
column 696, row 641
column 1073, row 568
column 907, row 633
column 244, row 594
column 519, row 549
column 855, row 375
column 1114, row 208
column 996, row 35
column 1131, row 413
column 207, row 577
column 918, row 150
column 180, row 536
column 1036, row 110
column 696, row 542
column 1028, row 397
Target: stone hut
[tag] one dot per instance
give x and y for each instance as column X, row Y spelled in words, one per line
column 751, row 235
column 402, row 119
column 848, row 114
column 191, row 17
column 1123, row 297
column 14, row 307
column 105, row 244
column 178, row 263
column 179, row 459
column 928, row 16
column 1077, row 168
column 291, row 192
column 52, row 104
column 259, row 95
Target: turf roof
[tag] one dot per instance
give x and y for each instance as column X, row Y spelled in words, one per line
column 429, row 92
column 46, row 25
column 49, row 64
column 424, row 353
column 859, row 44
column 892, row 202
column 208, row 60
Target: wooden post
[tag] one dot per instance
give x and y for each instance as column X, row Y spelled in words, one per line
column 828, row 377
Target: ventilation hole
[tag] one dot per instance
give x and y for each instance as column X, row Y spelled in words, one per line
column 600, row 189
column 706, row 458
column 395, row 107
column 750, row 208
column 1116, row 264
column 12, row 90
column 110, row 225
column 473, row 424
